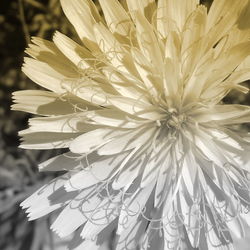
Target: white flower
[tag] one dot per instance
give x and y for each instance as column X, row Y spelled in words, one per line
column 155, row 156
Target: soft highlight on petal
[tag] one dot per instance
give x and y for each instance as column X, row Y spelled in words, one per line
column 156, row 159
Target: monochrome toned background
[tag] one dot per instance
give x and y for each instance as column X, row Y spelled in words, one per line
column 19, row 21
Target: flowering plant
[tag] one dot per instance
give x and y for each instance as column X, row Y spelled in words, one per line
column 154, row 155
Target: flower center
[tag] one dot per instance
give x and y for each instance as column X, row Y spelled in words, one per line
column 173, row 119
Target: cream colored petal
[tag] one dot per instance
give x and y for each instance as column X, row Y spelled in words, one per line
column 223, row 8
column 150, row 172
column 192, row 48
column 145, row 7
column 136, row 108
column 46, row 76
column 163, row 181
column 88, row 90
column 90, row 141
column 165, row 24
column 129, row 237
column 233, row 82
column 91, row 176
column 220, row 203
column 245, row 65
column 172, row 81
column 127, row 141
column 117, row 19
column 133, row 206
column 125, row 86
column 95, row 169
column 192, row 221
column 101, row 218
column 214, row 71
column 209, row 149
column 178, row 10
column 73, row 123
column 47, row 52
column 114, row 118
column 64, row 162
column 84, row 204
column 149, row 45
column 173, row 46
column 170, row 231
column 69, row 220
column 113, row 51
column 222, row 15
column 227, row 114
column 45, row 140
column 48, row 198
column 234, row 37
column 77, row 54
column 127, row 176
column 41, row 49
column 83, row 15
column 48, row 103
column 148, row 76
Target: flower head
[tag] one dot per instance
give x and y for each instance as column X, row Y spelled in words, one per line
column 154, row 155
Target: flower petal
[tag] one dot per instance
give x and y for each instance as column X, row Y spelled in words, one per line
column 83, row 15
column 74, row 52
column 135, row 107
column 45, row 140
column 133, row 207
column 48, row 198
column 46, row 102
column 116, row 18
column 63, row 162
column 46, row 76
column 73, row 123
column 128, row 141
column 95, row 172
column 114, row 118
column 92, row 140
column 145, row 7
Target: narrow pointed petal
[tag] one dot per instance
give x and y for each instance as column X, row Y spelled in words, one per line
column 116, row 18
column 74, row 52
column 83, row 15
column 145, row 7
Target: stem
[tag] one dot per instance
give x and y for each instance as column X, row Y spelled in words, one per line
column 36, row 4
column 23, row 21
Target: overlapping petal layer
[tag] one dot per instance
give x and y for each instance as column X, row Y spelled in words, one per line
column 155, row 156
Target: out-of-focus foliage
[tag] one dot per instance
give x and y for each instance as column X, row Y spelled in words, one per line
column 19, row 20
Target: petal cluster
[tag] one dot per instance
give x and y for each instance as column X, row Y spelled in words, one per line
column 155, row 157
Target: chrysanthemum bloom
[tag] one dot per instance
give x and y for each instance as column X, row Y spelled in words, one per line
column 155, row 158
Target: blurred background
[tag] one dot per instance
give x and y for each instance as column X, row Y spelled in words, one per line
column 19, row 177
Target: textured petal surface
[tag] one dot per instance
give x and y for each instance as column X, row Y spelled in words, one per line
column 156, row 159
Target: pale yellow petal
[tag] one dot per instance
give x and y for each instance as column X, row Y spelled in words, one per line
column 112, row 50
column 45, row 140
column 145, row 7
column 48, row 103
column 72, row 123
column 178, row 10
column 222, row 16
column 77, row 54
column 46, row 76
column 83, row 14
column 117, row 19
column 150, row 46
column 192, row 48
